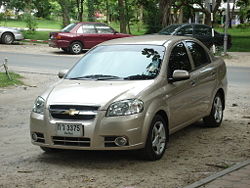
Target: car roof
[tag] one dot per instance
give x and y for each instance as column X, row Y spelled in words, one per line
column 94, row 23
column 155, row 39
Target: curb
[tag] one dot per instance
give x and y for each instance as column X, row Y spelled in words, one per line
column 218, row 174
column 33, row 40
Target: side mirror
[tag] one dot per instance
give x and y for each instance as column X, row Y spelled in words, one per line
column 62, row 73
column 179, row 75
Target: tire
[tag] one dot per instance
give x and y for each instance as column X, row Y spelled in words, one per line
column 49, row 150
column 216, row 115
column 76, row 48
column 7, row 38
column 157, row 139
column 65, row 49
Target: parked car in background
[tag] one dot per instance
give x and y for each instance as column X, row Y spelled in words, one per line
column 9, row 35
column 84, row 35
column 131, row 93
column 199, row 31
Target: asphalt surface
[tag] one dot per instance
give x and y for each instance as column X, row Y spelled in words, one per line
column 52, row 63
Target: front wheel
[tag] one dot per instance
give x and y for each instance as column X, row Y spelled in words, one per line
column 216, row 115
column 157, row 139
column 76, row 48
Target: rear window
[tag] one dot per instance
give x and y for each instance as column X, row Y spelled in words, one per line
column 69, row 27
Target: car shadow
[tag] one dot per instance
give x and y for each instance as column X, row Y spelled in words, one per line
column 86, row 158
column 68, row 53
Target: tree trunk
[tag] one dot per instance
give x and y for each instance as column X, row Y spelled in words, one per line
column 127, row 16
column 180, row 18
column 65, row 11
column 165, row 12
column 91, row 11
column 107, row 11
column 122, row 16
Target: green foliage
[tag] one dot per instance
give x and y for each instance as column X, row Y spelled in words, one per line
column 243, row 26
column 151, row 15
column 240, row 39
column 31, row 22
column 5, row 81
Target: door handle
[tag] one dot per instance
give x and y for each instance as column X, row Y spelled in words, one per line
column 213, row 73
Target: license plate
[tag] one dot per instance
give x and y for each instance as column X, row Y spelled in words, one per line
column 64, row 129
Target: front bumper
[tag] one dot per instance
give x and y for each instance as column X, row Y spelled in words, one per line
column 19, row 36
column 98, row 133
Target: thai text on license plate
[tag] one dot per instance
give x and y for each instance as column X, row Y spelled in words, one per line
column 64, row 129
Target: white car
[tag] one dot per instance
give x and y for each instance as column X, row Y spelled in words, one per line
column 9, row 35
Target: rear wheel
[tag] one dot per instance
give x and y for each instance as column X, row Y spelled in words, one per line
column 157, row 139
column 76, row 48
column 7, row 38
column 216, row 115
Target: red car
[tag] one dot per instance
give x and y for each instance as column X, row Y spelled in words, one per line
column 84, row 35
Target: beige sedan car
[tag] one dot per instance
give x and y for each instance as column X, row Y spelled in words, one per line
column 131, row 94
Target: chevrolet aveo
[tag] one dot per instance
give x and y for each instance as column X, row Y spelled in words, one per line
column 131, row 94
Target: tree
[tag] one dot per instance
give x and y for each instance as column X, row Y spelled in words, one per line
column 43, row 8
column 244, row 9
column 122, row 17
column 79, row 4
column 65, row 7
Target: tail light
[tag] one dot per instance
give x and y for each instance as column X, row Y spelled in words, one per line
column 58, row 37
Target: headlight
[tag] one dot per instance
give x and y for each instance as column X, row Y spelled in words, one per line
column 125, row 107
column 39, row 105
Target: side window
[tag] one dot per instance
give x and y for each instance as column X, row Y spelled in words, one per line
column 202, row 30
column 178, row 60
column 86, row 29
column 199, row 55
column 187, row 30
column 104, row 29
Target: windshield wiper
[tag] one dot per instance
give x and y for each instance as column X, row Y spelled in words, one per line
column 97, row 77
column 139, row 77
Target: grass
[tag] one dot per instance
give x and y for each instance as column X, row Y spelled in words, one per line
column 37, row 35
column 48, row 24
column 240, row 39
column 5, row 81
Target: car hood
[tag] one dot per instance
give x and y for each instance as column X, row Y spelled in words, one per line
column 98, row 93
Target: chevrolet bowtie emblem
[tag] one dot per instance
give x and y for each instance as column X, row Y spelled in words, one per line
column 72, row 112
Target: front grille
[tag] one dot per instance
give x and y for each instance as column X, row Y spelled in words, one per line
column 71, row 141
column 73, row 112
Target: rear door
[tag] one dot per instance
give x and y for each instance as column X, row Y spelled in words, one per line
column 204, row 74
column 105, row 32
column 88, row 36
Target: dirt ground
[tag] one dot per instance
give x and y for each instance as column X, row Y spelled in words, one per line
column 193, row 153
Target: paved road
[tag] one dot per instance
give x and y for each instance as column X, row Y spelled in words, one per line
column 39, row 62
column 236, row 75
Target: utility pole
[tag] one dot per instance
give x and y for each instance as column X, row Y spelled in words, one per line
column 226, row 27
column 211, row 3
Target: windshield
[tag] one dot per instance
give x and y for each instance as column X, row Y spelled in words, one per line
column 129, row 62
column 69, row 27
column 170, row 29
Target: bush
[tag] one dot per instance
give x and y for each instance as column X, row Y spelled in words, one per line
column 30, row 22
column 243, row 26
